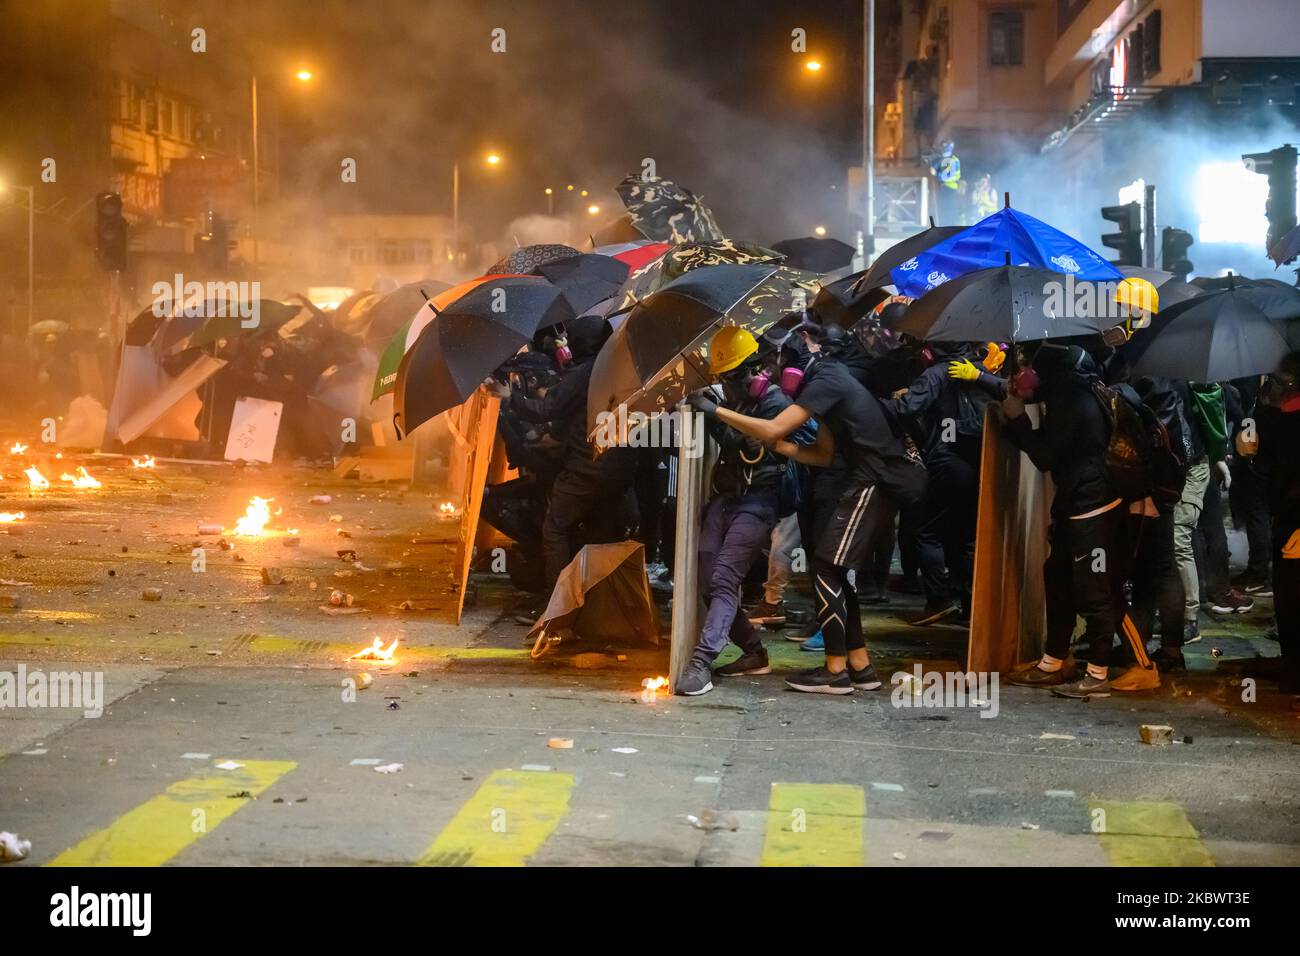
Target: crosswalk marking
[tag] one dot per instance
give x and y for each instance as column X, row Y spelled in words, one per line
column 814, row 824
column 158, row 829
column 1148, row 834
column 506, row 821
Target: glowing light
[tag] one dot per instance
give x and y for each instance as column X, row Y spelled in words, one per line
column 813, row 66
column 303, row 75
column 255, row 518
column 1230, row 204
column 493, row 159
column 447, row 511
column 583, row 193
column 81, row 479
column 819, row 231
column 9, row 517
column 569, row 188
column 592, row 210
column 35, row 479
column 17, row 448
column 651, row 688
column 549, row 191
column 148, row 461
column 377, row 653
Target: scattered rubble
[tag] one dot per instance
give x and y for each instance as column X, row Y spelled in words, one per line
column 1157, row 733
column 152, row 594
column 272, row 576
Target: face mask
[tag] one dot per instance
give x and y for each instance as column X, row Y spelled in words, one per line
column 1025, row 382
column 563, row 355
column 791, row 380
column 759, row 383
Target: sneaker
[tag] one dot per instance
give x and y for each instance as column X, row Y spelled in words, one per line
column 1259, row 589
column 819, row 680
column 1085, row 688
column 1035, row 676
column 864, row 679
column 1251, row 583
column 745, row 665
column 814, row 644
column 696, row 681
column 1169, row 660
column 931, row 615
column 1235, row 602
column 1191, row 633
column 1137, row 678
column 767, row 614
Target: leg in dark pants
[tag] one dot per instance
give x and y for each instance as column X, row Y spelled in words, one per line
column 1085, row 557
column 932, row 534
column 1250, row 511
column 1156, row 584
column 733, row 534
column 1214, row 543
column 574, row 499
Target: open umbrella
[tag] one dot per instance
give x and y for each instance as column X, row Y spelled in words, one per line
column 1286, row 248
column 846, row 300
column 903, row 250
column 988, row 243
column 634, row 254
column 682, row 258
column 660, row 209
column 395, row 310
column 1215, row 337
column 1169, row 287
column 198, row 326
column 527, row 258
column 658, row 355
column 585, row 279
column 468, row 340
column 1006, row 304
column 815, row 254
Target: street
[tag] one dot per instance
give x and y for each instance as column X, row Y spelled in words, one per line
column 225, row 671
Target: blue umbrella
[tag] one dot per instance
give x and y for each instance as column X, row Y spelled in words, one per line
column 988, row 244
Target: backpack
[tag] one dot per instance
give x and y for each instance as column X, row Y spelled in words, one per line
column 1141, row 458
column 1209, row 412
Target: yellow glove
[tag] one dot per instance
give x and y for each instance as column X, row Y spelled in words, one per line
column 994, row 358
column 963, row 371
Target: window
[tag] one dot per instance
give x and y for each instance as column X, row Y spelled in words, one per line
column 1007, row 38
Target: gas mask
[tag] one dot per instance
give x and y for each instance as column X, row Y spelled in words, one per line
column 759, row 383
column 563, row 355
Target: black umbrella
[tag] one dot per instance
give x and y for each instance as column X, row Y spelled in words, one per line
column 662, row 210
column 1214, row 337
column 815, row 254
column 1007, row 304
column 657, row 355
column 844, row 301
column 900, row 252
column 527, row 258
column 585, row 279
column 468, row 341
column 1169, row 287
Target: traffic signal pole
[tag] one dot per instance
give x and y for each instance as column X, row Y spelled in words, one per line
column 1149, row 228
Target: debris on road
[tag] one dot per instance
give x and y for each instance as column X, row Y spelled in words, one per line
column 152, row 594
column 710, row 819
column 340, row 598
column 272, row 576
column 560, row 743
column 210, row 529
column 319, row 499
column 13, row 849
column 626, row 750
column 9, row 601
column 364, row 680
column 1156, row 733
column 1046, row 736
column 1029, row 826
column 389, row 768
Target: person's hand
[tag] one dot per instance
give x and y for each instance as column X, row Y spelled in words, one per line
column 496, row 388
column 994, row 357
column 963, row 370
column 1225, row 474
column 900, row 393
column 1013, row 406
column 702, row 400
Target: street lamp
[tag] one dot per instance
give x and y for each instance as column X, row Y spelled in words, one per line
column 304, row 76
column 813, row 66
column 819, row 231
column 31, row 248
column 492, row 159
column 550, row 201
column 593, row 210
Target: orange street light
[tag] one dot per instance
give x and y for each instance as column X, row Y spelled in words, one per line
column 813, row 66
column 304, row 75
column 593, row 210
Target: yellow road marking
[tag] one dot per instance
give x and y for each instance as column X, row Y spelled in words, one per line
column 158, row 829
column 505, row 822
column 1148, row 834
column 812, row 824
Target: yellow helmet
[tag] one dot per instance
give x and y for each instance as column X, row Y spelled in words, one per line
column 730, row 346
column 1139, row 295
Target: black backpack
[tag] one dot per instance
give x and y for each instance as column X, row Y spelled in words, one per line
column 1141, row 458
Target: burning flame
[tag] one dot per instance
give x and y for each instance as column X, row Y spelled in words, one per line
column 17, row 448
column 377, row 652
column 82, row 479
column 9, row 517
column 447, row 511
column 35, row 479
column 147, row 461
column 651, row 688
column 255, row 518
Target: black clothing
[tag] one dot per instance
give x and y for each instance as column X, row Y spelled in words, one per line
column 1080, row 577
column 743, row 464
column 565, row 407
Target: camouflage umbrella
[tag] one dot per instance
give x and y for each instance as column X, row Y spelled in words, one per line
column 524, row 260
column 660, row 209
column 659, row 354
column 682, row 258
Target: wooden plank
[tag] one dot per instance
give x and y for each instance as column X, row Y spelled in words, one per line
column 481, row 436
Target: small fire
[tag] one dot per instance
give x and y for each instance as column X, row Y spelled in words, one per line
column 17, row 448
column 35, row 479
column 255, row 519
column 147, row 461
column 651, row 687
column 9, row 517
column 377, row 653
column 82, row 479
column 447, row 511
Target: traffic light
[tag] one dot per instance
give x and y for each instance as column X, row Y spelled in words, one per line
column 110, row 232
column 1279, row 166
column 1128, row 241
column 1174, row 244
